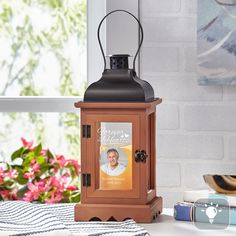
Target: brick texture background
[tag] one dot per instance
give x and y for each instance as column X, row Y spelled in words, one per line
column 196, row 125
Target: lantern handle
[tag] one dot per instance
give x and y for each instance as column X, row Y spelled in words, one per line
column 99, row 40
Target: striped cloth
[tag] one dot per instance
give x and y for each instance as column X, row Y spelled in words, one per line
column 18, row 218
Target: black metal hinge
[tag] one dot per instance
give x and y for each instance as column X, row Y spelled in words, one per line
column 86, row 131
column 86, row 180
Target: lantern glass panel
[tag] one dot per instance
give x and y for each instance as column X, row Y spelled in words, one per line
column 115, row 149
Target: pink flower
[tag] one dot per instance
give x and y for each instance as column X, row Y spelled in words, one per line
column 43, row 186
column 33, row 188
column 48, row 176
column 26, row 143
column 55, row 169
column 1, row 171
column 61, row 159
column 44, row 152
column 55, row 197
column 35, row 167
column 64, row 178
column 12, row 174
column 32, row 194
column 28, row 197
column 75, row 164
column 54, row 182
column 5, row 193
column 14, row 194
column 72, row 188
column 29, row 175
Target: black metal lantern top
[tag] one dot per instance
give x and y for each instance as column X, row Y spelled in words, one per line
column 119, row 61
column 119, row 83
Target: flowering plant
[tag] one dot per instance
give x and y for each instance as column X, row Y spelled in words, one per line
column 37, row 175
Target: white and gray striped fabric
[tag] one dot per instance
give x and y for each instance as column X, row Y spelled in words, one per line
column 18, row 218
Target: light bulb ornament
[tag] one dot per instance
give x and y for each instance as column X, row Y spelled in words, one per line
column 211, row 211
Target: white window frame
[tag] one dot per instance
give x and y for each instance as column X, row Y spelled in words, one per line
column 96, row 9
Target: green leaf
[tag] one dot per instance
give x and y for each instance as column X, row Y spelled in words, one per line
column 8, row 167
column 17, row 153
column 21, row 180
column 27, row 163
column 40, row 159
column 8, row 183
column 50, row 155
column 22, row 191
column 44, row 167
column 72, row 171
column 25, row 151
column 20, row 153
column 66, row 194
column 17, row 167
column 37, row 177
column 75, row 197
column 38, row 149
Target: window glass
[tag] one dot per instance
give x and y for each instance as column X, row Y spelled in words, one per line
column 58, row 132
column 43, row 53
column 43, row 47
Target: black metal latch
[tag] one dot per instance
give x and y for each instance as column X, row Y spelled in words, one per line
column 86, row 131
column 140, row 156
column 86, row 180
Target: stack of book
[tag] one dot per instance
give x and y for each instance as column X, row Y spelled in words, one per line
column 204, row 205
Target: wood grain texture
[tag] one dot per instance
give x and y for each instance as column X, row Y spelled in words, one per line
column 140, row 213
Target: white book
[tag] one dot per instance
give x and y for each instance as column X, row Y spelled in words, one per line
column 195, row 195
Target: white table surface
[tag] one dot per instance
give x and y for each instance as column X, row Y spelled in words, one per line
column 166, row 225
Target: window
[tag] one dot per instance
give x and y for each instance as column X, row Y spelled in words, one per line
column 58, row 132
column 46, row 46
column 42, row 64
column 43, row 47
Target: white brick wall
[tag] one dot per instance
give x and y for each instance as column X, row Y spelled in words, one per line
column 168, row 117
column 183, row 88
column 160, row 59
column 196, row 125
column 169, row 29
column 163, row 177
column 153, row 6
column 210, row 117
column 190, row 146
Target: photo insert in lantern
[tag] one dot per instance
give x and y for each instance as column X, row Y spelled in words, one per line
column 115, row 155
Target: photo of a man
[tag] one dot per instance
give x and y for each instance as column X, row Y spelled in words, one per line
column 113, row 167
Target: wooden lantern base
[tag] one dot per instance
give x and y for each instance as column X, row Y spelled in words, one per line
column 107, row 212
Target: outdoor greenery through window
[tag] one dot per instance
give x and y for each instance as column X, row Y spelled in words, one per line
column 43, row 53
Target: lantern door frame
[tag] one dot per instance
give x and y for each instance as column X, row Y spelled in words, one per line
column 90, row 162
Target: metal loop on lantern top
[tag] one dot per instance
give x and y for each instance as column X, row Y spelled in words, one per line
column 99, row 40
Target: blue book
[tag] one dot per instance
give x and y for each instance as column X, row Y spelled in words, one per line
column 183, row 211
column 205, row 213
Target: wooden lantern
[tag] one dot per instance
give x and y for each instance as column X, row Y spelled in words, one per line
column 118, row 144
column 130, row 128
